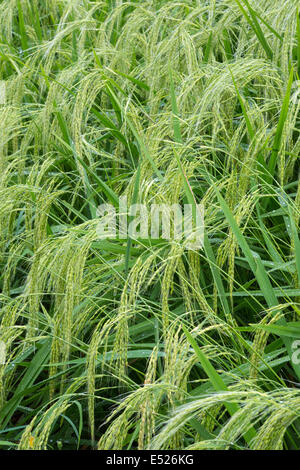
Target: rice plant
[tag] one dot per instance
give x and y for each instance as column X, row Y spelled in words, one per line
column 142, row 343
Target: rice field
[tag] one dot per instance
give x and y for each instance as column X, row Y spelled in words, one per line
column 135, row 342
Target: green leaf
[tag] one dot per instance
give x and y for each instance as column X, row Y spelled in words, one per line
column 216, row 380
column 256, row 27
column 257, row 268
column 298, row 41
column 291, row 329
column 134, row 201
column 175, row 113
column 36, row 366
column 280, row 126
column 22, row 29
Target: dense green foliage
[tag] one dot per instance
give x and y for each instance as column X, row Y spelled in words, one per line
column 135, row 344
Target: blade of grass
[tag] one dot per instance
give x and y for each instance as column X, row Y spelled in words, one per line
column 132, row 79
column 254, row 14
column 260, row 159
column 175, row 113
column 257, row 29
column 89, row 191
column 110, row 84
column 134, row 201
column 37, row 21
column 257, row 268
column 216, row 380
column 291, row 329
column 31, row 374
column 279, row 36
column 22, row 29
column 208, row 48
column 280, row 126
column 111, row 195
column 192, row 201
column 298, row 42
column 227, row 45
column 139, row 140
column 295, row 238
